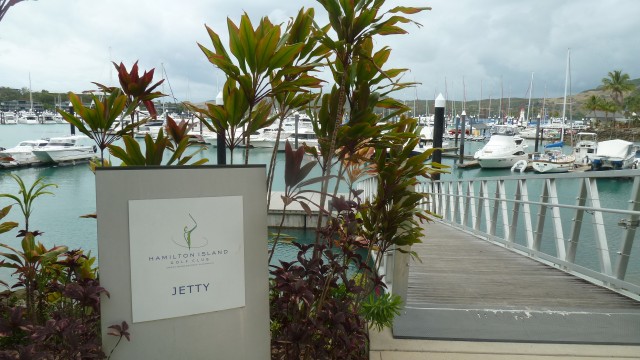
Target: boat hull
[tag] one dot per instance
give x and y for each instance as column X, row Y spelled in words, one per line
column 503, row 162
column 548, row 167
column 65, row 155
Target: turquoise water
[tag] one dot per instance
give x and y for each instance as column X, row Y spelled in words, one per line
column 58, row 216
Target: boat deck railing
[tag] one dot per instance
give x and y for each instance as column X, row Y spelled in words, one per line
column 583, row 223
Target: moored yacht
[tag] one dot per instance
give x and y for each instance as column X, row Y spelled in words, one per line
column 504, row 148
column 67, row 149
column 586, row 144
column 21, row 154
column 28, row 118
column 9, row 118
column 553, row 160
column 614, row 155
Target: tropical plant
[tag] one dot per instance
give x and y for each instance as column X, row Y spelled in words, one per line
column 138, row 89
column 380, row 311
column 132, row 154
column 593, row 104
column 262, row 58
column 294, row 180
column 355, row 70
column 617, row 84
column 56, row 316
column 26, row 197
column 97, row 121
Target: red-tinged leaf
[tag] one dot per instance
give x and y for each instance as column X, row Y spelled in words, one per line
column 408, row 10
column 8, row 226
column 5, row 210
column 217, row 44
column 305, row 170
column 391, row 30
column 305, row 207
column 286, row 200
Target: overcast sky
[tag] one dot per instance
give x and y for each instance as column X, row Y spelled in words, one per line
column 64, row 45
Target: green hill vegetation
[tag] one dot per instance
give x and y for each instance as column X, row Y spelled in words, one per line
column 487, row 107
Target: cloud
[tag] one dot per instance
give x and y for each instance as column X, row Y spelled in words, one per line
column 67, row 44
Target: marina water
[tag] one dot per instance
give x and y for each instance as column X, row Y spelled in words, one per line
column 59, row 216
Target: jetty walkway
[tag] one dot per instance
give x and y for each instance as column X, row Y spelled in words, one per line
column 493, row 282
column 469, row 299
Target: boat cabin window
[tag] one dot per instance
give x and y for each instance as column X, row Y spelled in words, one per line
column 502, row 130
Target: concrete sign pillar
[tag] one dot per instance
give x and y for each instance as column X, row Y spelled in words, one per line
column 182, row 252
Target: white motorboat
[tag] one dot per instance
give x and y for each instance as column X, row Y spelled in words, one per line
column 210, row 137
column 9, row 118
column 67, row 149
column 586, row 144
column 48, row 118
column 150, row 128
column 614, row 155
column 28, row 118
column 59, row 119
column 266, row 138
column 504, row 148
column 22, row 154
column 426, row 140
column 305, row 136
column 553, row 160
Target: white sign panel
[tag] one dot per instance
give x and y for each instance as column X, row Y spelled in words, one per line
column 187, row 256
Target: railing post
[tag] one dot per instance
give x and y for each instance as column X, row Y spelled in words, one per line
column 630, row 232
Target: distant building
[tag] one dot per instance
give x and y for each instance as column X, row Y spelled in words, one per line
column 605, row 117
column 20, row 105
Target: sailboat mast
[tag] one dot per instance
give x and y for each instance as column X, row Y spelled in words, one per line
column 501, row 96
column 480, row 100
column 564, row 103
column 30, row 95
column 509, row 104
column 529, row 106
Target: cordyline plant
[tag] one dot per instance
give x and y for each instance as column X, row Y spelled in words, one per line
column 261, row 58
column 97, row 121
column 138, row 89
column 53, row 311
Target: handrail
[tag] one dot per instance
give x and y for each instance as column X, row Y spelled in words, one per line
column 532, row 215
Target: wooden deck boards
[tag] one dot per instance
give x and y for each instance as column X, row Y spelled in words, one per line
column 468, row 289
column 458, row 269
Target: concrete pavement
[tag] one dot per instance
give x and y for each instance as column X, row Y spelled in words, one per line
column 385, row 347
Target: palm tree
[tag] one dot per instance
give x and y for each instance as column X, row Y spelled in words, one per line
column 609, row 107
column 593, row 104
column 617, row 83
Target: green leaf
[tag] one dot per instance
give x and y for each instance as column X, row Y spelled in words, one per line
column 248, row 41
column 284, row 56
column 235, row 44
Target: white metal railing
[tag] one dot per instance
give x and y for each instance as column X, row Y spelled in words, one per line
column 584, row 223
